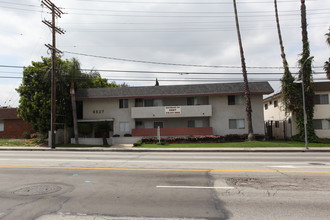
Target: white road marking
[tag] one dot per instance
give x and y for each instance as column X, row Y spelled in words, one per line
column 197, row 187
column 284, row 166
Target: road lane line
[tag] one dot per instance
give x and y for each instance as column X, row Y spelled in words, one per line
column 197, row 187
column 161, row 169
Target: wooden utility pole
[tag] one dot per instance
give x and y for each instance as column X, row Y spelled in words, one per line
column 56, row 13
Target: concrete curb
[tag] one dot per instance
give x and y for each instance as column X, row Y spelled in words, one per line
column 324, row 149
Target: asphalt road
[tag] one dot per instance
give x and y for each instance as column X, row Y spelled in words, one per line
column 163, row 186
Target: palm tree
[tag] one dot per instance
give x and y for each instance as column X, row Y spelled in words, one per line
column 74, row 73
column 306, row 74
column 246, row 83
column 326, row 66
column 287, row 79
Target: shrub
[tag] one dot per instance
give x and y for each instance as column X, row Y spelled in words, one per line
column 26, row 135
column 138, row 143
column 116, row 135
column 127, row 135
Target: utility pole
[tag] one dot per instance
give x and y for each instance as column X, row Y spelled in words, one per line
column 56, row 13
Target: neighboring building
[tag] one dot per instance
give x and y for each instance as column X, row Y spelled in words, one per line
column 12, row 126
column 178, row 110
column 281, row 124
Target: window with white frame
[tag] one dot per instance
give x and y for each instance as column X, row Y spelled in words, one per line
column 235, row 100
column 124, row 127
column 123, row 103
column 321, row 99
column 321, row 124
column 236, row 123
column 2, row 125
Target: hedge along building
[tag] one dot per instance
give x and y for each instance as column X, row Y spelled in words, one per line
column 178, row 110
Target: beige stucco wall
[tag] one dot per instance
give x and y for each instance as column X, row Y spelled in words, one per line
column 222, row 112
column 275, row 113
column 111, row 111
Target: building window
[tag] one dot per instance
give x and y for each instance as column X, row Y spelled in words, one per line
column 236, row 123
column 2, row 125
column 138, row 102
column 158, row 124
column 148, row 102
column 275, row 103
column 266, row 106
column 321, row 124
column 235, row 100
column 270, row 102
column 321, row 99
column 191, row 101
column 158, row 102
column 123, row 103
column 124, row 127
column 277, row 123
column 138, row 124
column 191, row 124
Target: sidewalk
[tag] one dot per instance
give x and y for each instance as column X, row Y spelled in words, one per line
column 129, row 148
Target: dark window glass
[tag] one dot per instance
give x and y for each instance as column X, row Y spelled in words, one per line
column 317, row 123
column 275, row 104
column 266, row 106
column 123, row 103
column 191, row 124
column 231, row 100
column 158, row 124
column 138, row 102
column 321, row 99
column 191, row 101
column 148, row 102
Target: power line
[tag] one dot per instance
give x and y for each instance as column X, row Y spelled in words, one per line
column 184, row 3
column 172, row 64
column 167, row 72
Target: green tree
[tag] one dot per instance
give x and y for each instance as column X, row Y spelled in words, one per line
column 247, row 94
column 35, row 92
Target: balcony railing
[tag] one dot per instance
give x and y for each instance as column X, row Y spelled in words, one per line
column 172, row 111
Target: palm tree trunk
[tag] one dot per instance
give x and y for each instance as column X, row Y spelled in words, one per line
column 285, row 63
column 74, row 112
column 246, row 83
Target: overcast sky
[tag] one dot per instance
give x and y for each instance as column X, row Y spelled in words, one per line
column 196, row 33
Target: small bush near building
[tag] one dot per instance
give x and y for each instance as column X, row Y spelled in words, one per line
column 127, row 135
column 116, row 135
column 138, row 143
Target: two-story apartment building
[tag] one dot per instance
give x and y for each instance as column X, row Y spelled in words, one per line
column 178, row 110
column 281, row 124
